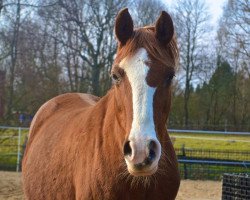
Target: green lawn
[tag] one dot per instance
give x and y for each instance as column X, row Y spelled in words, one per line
column 9, row 147
column 208, row 141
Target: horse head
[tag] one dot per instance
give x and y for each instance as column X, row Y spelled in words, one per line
column 143, row 71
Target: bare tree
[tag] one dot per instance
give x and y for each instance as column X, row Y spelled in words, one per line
column 147, row 11
column 1, row 5
column 87, row 39
column 13, row 55
column 2, row 88
column 234, row 45
column 234, row 33
column 191, row 19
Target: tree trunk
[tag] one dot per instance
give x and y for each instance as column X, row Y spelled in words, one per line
column 1, row 5
column 13, row 60
column 187, row 84
column 68, row 66
column 2, row 86
column 96, row 80
column 186, row 99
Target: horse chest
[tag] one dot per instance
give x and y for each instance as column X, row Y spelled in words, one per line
column 111, row 187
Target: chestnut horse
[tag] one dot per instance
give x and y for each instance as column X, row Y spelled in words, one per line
column 116, row 147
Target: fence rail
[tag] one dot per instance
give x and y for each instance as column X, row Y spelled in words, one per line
column 216, row 162
column 169, row 130
column 213, row 154
column 14, row 127
column 208, row 132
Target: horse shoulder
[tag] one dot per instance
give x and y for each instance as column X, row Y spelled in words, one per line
column 68, row 101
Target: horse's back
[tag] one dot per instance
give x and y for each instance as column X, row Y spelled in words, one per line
column 49, row 152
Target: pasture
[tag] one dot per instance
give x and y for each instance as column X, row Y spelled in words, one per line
column 10, row 188
column 211, row 141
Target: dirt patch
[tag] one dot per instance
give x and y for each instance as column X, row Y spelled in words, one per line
column 10, row 188
column 200, row 190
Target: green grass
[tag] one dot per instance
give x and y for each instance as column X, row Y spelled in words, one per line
column 9, row 147
column 210, row 142
column 208, row 172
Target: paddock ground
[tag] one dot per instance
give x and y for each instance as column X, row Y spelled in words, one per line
column 10, row 188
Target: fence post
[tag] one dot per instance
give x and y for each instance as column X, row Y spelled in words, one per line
column 225, row 126
column 185, row 166
column 18, row 149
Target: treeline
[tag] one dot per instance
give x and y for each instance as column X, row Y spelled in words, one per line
column 56, row 46
column 216, row 69
column 222, row 103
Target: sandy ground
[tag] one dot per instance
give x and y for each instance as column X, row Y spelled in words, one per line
column 10, row 188
column 200, row 190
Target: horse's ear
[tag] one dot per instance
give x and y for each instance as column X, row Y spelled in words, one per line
column 164, row 28
column 123, row 26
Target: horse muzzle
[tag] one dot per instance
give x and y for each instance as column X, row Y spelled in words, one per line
column 142, row 156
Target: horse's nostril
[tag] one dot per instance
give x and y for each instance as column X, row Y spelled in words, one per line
column 151, row 155
column 127, row 149
column 152, row 144
column 151, row 150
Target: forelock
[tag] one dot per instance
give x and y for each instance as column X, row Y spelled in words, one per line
column 167, row 55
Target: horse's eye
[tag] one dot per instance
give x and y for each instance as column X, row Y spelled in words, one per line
column 116, row 74
column 116, row 79
column 169, row 79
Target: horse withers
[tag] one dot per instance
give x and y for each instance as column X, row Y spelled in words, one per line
column 116, row 147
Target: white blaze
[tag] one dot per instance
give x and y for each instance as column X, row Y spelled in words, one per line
column 142, row 95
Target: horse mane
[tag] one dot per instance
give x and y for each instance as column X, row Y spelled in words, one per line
column 166, row 54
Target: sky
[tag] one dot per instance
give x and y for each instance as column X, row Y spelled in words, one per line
column 215, row 8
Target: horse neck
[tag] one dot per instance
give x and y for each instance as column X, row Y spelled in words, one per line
column 106, row 117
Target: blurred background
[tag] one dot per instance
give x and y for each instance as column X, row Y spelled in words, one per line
column 56, row 46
